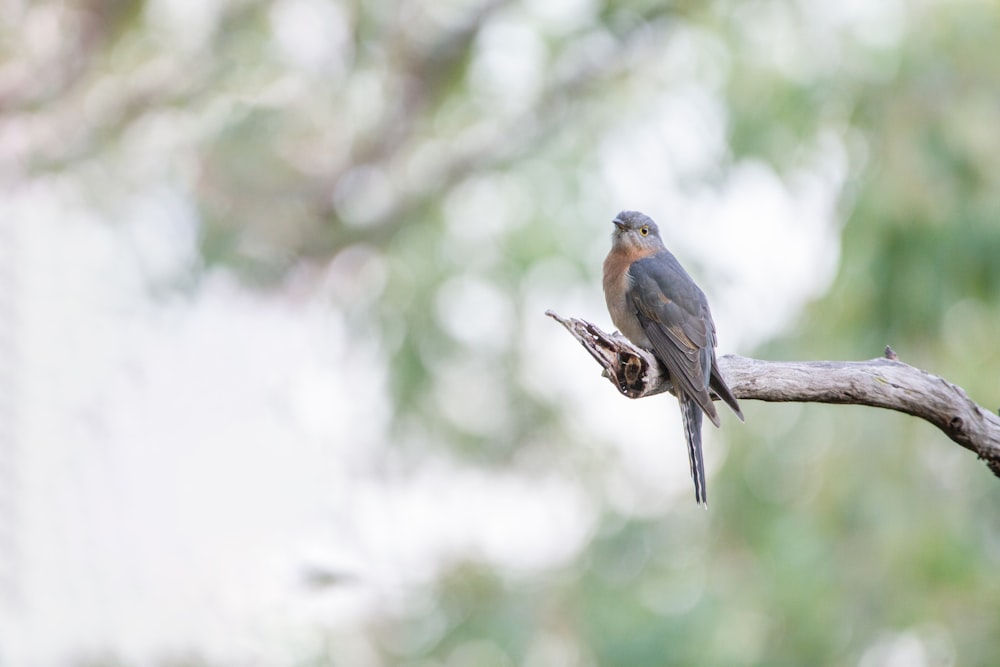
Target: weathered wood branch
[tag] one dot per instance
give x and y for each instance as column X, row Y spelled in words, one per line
column 881, row 383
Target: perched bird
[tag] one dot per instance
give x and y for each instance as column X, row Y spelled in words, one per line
column 656, row 305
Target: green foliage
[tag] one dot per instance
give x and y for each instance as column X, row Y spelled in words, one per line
column 418, row 146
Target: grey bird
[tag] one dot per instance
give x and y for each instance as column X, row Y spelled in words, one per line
column 656, row 305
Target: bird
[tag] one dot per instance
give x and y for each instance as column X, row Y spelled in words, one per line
column 657, row 305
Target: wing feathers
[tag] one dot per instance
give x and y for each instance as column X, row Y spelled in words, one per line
column 684, row 365
column 674, row 315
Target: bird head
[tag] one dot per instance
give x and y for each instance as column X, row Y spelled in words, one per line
column 634, row 230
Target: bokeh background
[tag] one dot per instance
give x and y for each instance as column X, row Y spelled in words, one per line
column 276, row 386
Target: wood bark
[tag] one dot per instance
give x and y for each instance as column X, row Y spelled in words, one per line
column 883, row 382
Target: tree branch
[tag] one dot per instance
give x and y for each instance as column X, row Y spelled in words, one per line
column 881, row 383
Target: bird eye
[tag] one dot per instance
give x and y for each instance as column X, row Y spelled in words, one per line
column 644, row 230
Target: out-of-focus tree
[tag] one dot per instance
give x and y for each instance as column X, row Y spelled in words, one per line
column 428, row 157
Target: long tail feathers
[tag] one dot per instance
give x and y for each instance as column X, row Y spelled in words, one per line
column 691, row 414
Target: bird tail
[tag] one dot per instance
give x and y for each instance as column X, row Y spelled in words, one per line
column 691, row 415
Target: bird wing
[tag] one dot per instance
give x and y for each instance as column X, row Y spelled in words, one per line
column 719, row 386
column 674, row 314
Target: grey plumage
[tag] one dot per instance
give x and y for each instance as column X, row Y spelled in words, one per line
column 657, row 305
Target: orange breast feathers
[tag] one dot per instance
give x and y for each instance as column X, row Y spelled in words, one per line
column 616, row 265
column 616, row 283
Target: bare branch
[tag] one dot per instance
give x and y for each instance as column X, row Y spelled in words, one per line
column 882, row 383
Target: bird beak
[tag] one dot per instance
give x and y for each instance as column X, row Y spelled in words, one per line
column 619, row 224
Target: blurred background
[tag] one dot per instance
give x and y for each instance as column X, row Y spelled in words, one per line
column 276, row 386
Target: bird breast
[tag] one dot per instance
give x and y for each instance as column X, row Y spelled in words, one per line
column 617, row 283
